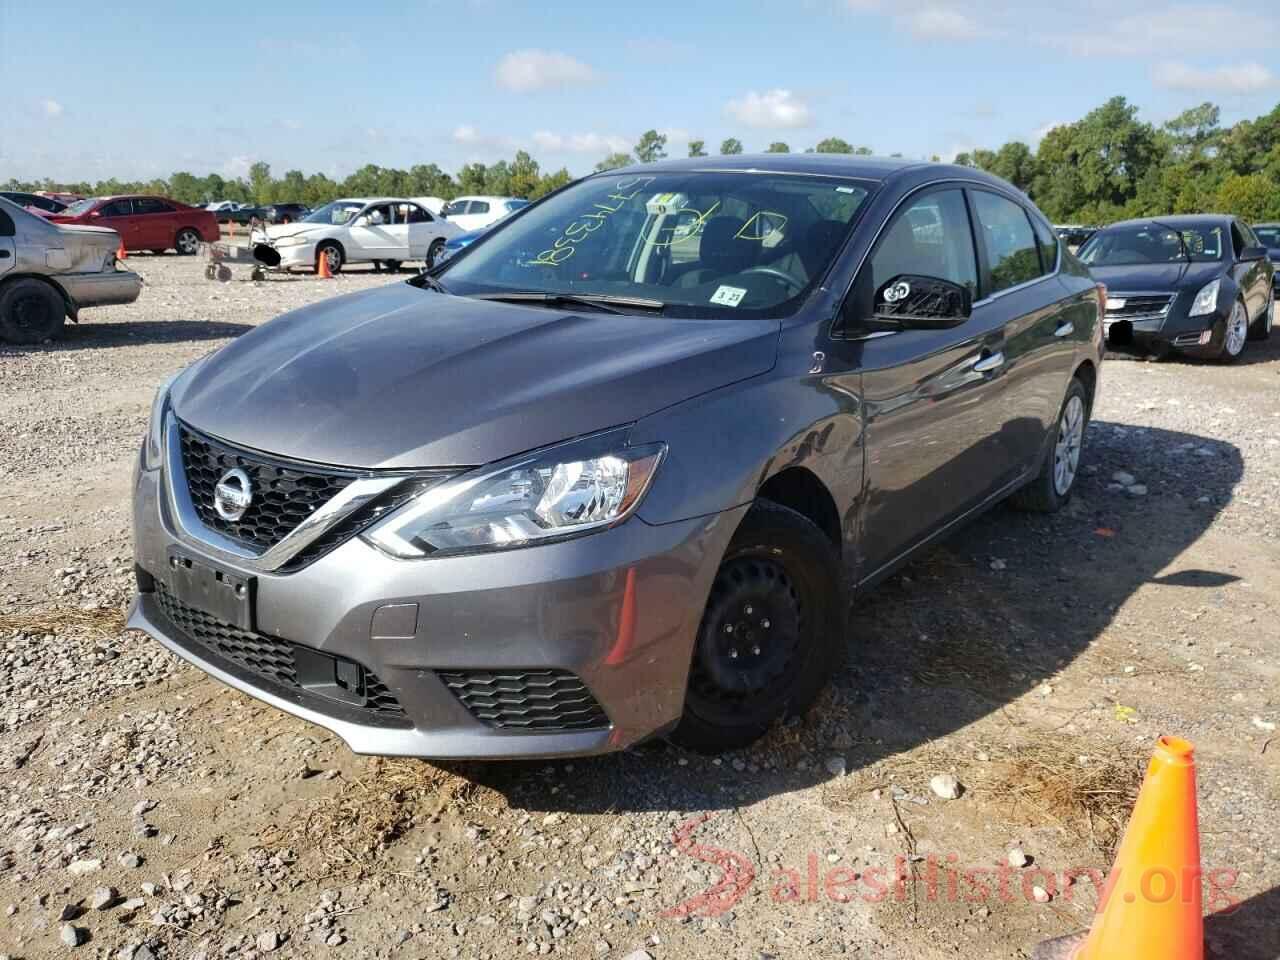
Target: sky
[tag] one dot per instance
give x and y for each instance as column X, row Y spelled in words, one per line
column 137, row 90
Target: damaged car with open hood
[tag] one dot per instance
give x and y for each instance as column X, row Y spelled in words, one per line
column 615, row 470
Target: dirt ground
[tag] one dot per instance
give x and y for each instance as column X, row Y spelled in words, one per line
column 149, row 812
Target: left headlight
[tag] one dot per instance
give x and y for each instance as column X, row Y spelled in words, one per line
column 153, row 449
column 1206, row 300
column 551, row 494
column 291, row 241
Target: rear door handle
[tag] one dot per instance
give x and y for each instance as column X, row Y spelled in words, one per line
column 989, row 363
column 4, row 254
column 1065, row 330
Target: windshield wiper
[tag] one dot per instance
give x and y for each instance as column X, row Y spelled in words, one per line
column 1182, row 244
column 425, row 279
column 600, row 301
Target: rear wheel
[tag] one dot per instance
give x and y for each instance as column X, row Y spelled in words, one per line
column 30, row 312
column 1052, row 487
column 433, row 251
column 771, row 634
column 1261, row 328
column 187, row 242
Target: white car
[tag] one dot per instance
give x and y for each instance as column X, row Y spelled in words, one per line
column 382, row 230
column 476, row 213
column 435, row 204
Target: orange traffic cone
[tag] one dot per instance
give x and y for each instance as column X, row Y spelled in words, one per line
column 121, row 253
column 1151, row 906
column 322, row 266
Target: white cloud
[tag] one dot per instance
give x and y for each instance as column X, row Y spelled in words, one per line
column 237, row 166
column 526, row 71
column 1240, row 78
column 594, row 143
column 771, row 109
column 466, row 134
column 52, row 108
column 942, row 23
column 1039, row 133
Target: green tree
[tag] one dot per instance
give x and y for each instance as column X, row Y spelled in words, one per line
column 777, row 147
column 651, row 146
column 834, row 145
column 551, row 182
column 730, row 147
column 1251, row 196
column 471, row 178
column 260, row 182
column 613, row 161
column 185, row 187
column 697, row 148
column 1014, row 162
column 525, row 175
column 428, row 180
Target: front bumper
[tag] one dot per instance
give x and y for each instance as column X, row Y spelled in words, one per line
column 291, row 255
column 1175, row 332
column 101, row 289
column 618, row 610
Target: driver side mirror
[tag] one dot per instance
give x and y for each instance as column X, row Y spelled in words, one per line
column 361, row 221
column 907, row 302
column 1253, row 253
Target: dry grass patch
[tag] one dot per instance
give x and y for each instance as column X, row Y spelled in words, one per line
column 107, row 620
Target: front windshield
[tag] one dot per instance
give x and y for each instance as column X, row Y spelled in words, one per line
column 81, row 206
column 704, row 244
column 1268, row 236
column 1152, row 243
column 334, row 214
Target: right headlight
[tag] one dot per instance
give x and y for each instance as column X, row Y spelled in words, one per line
column 1206, row 300
column 558, row 492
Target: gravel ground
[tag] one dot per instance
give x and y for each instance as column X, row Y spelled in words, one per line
column 151, row 813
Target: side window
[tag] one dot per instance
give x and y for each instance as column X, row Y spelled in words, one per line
column 1011, row 246
column 412, row 213
column 151, row 205
column 479, row 206
column 456, row 209
column 1048, row 246
column 379, row 215
column 1237, row 239
column 6, row 224
column 117, row 208
column 1250, row 238
column 930, row 238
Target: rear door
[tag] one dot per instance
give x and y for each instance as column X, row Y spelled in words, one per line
column 1019, row 258
column 931, row 397
column 1254, row 278
column 421, row 227
column 155, row 223
column 8, row 245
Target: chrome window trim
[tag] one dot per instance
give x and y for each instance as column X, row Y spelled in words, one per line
column 192, row 530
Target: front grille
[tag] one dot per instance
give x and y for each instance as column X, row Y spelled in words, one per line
column 526, row 699
column 269, row 658
column 1139, row 306
column 284, row 494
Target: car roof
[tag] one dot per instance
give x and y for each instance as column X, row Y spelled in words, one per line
column 481, row 196
column 854, row 166
column 1177, row 220
column 372, row 200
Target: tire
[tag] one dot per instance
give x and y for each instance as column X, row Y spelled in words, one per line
column 187, row 242
column 31, row 311
column 335, row 255
column 1234, row 334
column 1261, row 328
column 1053, row 485
column 156, row 253
column 772, row 633
column 433, row 251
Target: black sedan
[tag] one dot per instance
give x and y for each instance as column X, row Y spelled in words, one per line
column 1199, row 285
column 1268, row 235
column 284, row 212
column 33, row 201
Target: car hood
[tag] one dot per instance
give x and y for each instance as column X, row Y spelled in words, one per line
column 277, row 230
column 1157, row 277
column 402, row 377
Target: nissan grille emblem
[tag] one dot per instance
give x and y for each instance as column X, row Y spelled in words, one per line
column 233, row 494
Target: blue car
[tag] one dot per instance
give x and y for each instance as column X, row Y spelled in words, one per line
column 459, row 243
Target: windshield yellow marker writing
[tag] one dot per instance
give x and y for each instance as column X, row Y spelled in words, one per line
column 588, row 223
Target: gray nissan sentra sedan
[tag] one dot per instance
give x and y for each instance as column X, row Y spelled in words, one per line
column 616, row 469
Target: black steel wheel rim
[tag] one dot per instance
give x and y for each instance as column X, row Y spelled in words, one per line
column 748, row 641
column 31, row 313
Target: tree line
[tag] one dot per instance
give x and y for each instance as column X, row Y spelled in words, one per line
column 1109, row 165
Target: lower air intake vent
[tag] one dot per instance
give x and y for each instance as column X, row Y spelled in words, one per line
column 526, row 699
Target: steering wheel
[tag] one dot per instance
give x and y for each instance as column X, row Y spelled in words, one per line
column 777, row 274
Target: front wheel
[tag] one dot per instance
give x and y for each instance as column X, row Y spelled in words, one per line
column 772, row 633
column 1052, row 487
column 1235, row 334
column 187, row 242
column 433, row 251
column 333, row 254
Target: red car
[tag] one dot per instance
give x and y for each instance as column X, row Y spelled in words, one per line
column 146, row 223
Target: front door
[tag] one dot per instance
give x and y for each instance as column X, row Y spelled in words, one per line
column 931, row 398
column 8, row 247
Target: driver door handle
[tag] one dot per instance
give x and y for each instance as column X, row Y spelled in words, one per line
column 1065, row 330
column 989, row 363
